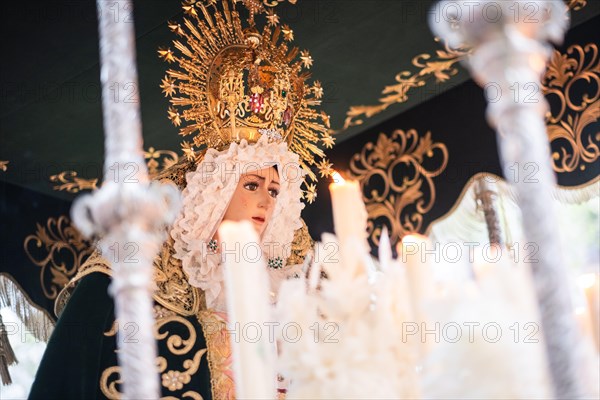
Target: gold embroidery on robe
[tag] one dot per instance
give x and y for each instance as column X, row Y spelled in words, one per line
column 171, row 379
column 216, row 335
column 177, row 299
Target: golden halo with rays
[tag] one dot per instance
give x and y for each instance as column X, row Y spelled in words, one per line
column 236, row 82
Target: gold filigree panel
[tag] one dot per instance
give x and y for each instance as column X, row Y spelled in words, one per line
column 70, row 182
column 441, row 66
column 159, row 160
column 396, row 176
column 180, row 351
column 572, row 86
column 58, row 249
column 156, row 161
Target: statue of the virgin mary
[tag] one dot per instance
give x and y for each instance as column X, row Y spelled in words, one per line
column 254, row 132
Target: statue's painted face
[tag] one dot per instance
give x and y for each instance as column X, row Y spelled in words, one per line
column 254, row 198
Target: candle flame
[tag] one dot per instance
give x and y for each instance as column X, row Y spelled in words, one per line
column 337, row 178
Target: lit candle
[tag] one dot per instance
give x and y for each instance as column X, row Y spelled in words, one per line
column 248, row 307
column 349, row 212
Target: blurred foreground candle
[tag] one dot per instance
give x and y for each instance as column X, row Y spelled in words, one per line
column 590, row 283
column 583, row 321
column 349, row 213
column 412, row 251
column 248, row 310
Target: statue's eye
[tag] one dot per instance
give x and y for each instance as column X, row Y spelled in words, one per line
column 252, row 186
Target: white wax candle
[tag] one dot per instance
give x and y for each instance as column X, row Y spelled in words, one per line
column 248, row 309
column 411, row 252
column 349, row 212
column 418, row 271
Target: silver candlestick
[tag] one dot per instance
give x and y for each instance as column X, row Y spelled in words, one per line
column 128, row 213
column 510, row 50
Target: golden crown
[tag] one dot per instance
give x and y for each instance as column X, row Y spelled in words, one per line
column 238, row 82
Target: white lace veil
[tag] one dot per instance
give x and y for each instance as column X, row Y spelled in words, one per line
column 207, row 195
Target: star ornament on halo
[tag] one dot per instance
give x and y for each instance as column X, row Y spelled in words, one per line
column 307, row 60
column 325, row 168
column 328, row 141
column 311, row 193
column 166, row 54
column 317, row 89
column 188, row 150
column 272, row 18
column 288, row 33
column 174, row 116
column 168, row 86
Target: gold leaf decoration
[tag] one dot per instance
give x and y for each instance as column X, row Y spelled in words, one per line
column 442, row 67
column 396, row 176
column 156, row 161
column 70, row 182
column 179, row 337
column 58, row 249
column 572, row 86
column 4, row 165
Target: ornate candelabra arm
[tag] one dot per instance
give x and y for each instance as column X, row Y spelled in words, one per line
column 510, row 52
column 128, row 213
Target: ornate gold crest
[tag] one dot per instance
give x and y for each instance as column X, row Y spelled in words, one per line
column 571, row 123
column 396, row 173
column 59, row 250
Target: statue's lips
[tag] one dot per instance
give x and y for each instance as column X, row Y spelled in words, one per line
column 258, row 220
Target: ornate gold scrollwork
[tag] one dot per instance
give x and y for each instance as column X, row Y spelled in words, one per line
column 442, row 67
column 168, row 158
column 567, row 124
column 60, row 251
column 109, row 386
column 173, row 379
column 156, row 161
column 396, row 176
column 71, row 183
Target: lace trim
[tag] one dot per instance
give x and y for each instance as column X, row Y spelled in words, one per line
column 208, row 193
